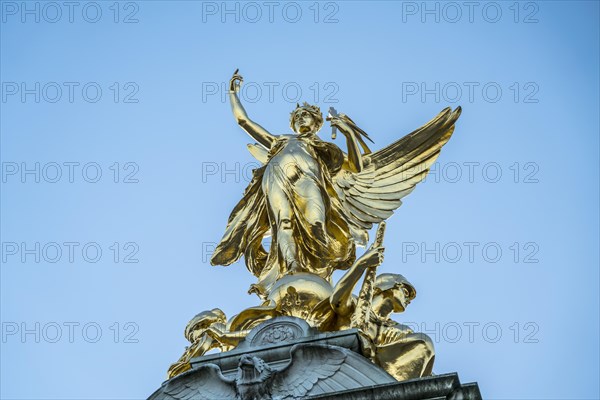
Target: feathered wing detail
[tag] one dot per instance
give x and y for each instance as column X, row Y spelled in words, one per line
column 259, row 152
column 372, row 195
column 309, row 365
column 204, row 383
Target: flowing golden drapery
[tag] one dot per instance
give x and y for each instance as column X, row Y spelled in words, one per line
column 301, row 168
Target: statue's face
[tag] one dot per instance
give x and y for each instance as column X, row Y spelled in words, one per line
column 304, row 122
column 400, row 297
column 396, row 298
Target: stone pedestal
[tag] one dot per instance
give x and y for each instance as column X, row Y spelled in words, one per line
column 284, row 358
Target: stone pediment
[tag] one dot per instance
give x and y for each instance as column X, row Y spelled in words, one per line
column 285, row 358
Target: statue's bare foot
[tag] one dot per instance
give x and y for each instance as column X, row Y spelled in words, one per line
column 293, row 267
column 254, row 288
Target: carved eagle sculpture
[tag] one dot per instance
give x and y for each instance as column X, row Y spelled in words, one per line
column 310, row 366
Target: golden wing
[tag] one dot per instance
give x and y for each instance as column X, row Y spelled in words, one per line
column 259, row 152
column 372, row 195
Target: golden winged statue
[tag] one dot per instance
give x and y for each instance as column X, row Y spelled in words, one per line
column 316, row 201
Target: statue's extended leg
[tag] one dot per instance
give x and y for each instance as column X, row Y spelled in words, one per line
column 313, row 208
column 286, row 246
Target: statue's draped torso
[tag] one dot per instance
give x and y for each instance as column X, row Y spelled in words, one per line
column 295, row 159
column 291, row 195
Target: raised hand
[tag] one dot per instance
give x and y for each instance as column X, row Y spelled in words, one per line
column 339, row 122
column 373, row 257
column 235, row 82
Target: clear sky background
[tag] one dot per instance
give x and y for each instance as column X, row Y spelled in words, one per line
column 501, row 241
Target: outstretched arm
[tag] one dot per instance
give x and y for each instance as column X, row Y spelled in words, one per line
column 227, row 338
column 257, row 132
column 341, row 299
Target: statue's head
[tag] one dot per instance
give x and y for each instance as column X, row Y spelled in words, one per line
column 306, row 119
column 396, row 289
column 198, row 325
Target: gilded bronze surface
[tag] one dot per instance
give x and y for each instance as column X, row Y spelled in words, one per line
column 196, row 332
column 317, row 203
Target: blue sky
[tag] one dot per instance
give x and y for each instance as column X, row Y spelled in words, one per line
column 121, row 163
